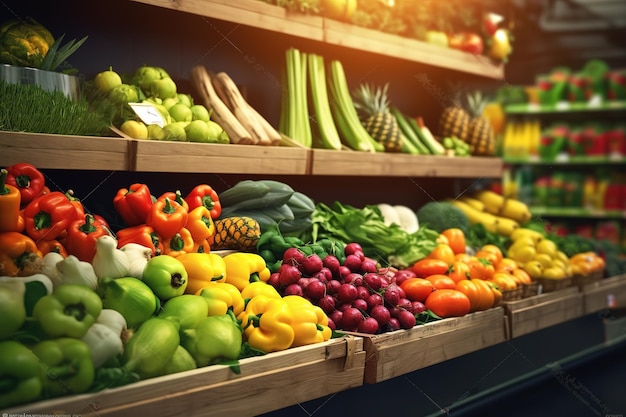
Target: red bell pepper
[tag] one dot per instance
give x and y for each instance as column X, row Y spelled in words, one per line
column 167, row 217
column 133, row 203
column 46, row 246
column 205, row 195
column 142, row 235
column 48, row 216
column 10, row 218
column 180, row 243
column 27, row 179
column 78, row 205
column 82, row 236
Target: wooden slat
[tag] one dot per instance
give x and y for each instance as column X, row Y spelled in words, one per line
column 154, row 156
column 396, row 353
column 64, row 152
column 309, row 372
column 328, row 162
column 597, row 294
column 544, row 310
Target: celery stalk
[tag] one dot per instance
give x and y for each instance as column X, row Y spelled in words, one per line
column 319, row 96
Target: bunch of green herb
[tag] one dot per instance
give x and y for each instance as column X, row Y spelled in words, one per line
column 389, row 244
column 29, row 108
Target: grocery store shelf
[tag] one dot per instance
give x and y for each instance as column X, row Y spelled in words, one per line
column 110, row 153
column 565, row 107
column 265, row 16
column 577, row 212
column 566, row 159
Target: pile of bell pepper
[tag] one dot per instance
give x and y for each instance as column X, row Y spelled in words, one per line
column 168, row 224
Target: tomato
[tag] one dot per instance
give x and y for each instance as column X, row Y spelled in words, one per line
column 490, row 256
column 417, row 289
column 443, row 252
column 479, row 292
column 458, row 271
column 456, row 239
column 504, row 281
column 480, row 268
column 448, row 303
column 507, row 265
column 490, row 248
column 441, row 281
column 521, row 276
column 425, row 267
column 462, row 257
column 467, row 41
column 497, row 294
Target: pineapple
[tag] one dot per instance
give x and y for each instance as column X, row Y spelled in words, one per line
column 480, row 136
column 373, row 108
column 454, row 120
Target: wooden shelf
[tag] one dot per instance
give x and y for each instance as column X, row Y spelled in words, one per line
column 565, row 107
column 261, row 15
column 122, row 154
column 577, row 212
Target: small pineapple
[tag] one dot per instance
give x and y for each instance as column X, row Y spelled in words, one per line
column 454, row 122
column 480, row 137
column 373, row 108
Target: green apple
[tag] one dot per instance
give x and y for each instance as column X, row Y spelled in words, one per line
column 200, row 112
column 156, row 132
column 180, row 113
column 144, row 76
column 163, row 88
column 105, row 81
column 198, row 131
column 175, row 131
column 170, row 101
column 123, row 93
column 135, row 129
column 186, row 99
column 217, row 133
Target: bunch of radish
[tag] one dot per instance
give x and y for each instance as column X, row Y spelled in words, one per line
column 357, row 295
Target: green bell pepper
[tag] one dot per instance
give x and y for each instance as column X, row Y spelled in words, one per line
column 215, row 339
column 12, row 309
column 20, row 374
column 69, row 311
column 67, row 366
column 186, row 310
column 151, row 347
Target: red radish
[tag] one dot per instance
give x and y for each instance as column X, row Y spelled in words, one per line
column 401, row 276
column 311, row 264
column 374, row 300
column 351, row 318
column 293, row 256
column 353, row 263
column 369, row 325
column 373, row 281
column 327, row 303
column 331, row 324
column 391, row 296
column 344, row 271
column 328, row 274
column 369, row 265
column 352, row 247
column 406, row 319
column 347, row 293
column 315, row 289
column 354, row 278
column 332, row 263
column 405, row 303
column 332, row 286
column 360, row 303
column 304, row 281
column 337, row 317
column 381, row 314
column 362, row 292
column 293, row 289
column 274, row 280
column 288, row 274
column 418, row 307
column 393, row 324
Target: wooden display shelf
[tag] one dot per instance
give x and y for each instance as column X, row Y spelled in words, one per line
column 265, row 16
column 266, row 383
column 328, row 162
column 544, row 310
column 155, row 156
column 601, row 294
column 392, row 354
column 65, row 152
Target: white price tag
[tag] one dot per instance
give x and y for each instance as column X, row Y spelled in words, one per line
column 562, row 105
column 148, row 113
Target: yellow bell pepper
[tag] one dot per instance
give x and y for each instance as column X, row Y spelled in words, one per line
column 310, row 323
column 242, row 268
column 222, row 296
column 202, row 269
column 267, row 324
column 259, row 287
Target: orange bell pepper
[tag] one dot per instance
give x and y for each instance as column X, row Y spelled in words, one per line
column 19, row 256
column 167, row 217
column 46, row 246
column 180, row 243
column 10, row 200
column 200, row 224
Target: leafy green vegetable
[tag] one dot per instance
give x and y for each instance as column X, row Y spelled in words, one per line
column 366, row 226
column 478, row 236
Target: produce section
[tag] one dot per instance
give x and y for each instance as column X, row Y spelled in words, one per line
column 380, row 260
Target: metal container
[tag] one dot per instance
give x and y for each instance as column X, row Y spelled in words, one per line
column 51, row 81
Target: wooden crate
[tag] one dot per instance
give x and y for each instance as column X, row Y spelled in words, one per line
column 392, row 354
column 540, row 311
column 599, row 294
column 329, row 162
column 266, row 383
column 165, row 156
column 65, row 152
